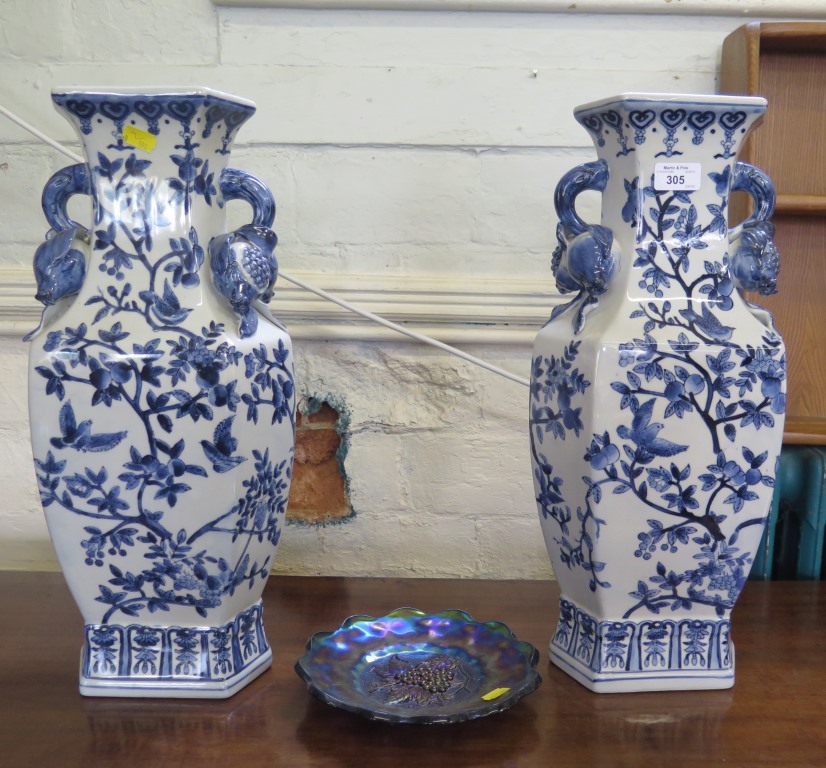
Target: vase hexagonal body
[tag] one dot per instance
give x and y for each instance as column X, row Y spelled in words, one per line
column 161, row 394
column 657, row 395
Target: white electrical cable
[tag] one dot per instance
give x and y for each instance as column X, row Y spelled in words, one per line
column 406, row 331
column 307, row 286
column 42, row 136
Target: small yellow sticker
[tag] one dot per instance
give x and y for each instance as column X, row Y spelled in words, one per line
column 495, row 694
column 139, row 139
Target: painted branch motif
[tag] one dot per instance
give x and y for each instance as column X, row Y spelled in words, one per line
column 176, row 376
column 683, row 365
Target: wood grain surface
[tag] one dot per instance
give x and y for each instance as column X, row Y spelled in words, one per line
column 774, row 715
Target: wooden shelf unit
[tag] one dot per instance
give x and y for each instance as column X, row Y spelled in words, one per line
column 786, row 63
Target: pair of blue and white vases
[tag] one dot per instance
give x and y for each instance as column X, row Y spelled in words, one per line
column 162, row 395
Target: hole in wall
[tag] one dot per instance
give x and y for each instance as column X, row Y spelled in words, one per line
column 319, row 493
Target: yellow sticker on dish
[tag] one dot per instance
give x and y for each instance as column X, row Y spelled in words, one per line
column 495, row 694
column 139, row 139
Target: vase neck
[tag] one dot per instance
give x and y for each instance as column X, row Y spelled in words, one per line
column 118, row 120
column 156, row 155
column 155, row 160
column 652, row 128
column 671, row 164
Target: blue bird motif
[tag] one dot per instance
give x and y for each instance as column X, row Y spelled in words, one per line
column 244, row 271
column 223, row 445
column 708, row 323
column 644, row 435
column 167, row 307
column 80, row 437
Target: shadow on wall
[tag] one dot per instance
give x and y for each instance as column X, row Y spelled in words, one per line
column 318, row 493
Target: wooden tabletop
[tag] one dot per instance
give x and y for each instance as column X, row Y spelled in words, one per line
column 774, row 715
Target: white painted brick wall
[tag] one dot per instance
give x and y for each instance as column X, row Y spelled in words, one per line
column 397, row 145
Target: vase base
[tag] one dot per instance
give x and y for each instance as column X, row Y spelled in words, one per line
column 639, row 682
column 623, row 656
column 138, row 661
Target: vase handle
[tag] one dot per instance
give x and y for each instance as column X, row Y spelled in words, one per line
column 756, row 183
column 240, row 185
column 243, row 263
column 755, row 262
column 586, row 256
column 68, row 181
column 588, row 176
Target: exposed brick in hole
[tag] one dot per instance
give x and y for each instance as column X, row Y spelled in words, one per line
column 319, row 490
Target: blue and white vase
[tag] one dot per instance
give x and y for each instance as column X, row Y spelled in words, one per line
column 657, row 395
column 161, row 394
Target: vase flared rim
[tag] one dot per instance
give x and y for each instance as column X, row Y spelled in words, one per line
column 671, row 99
column 152, row 91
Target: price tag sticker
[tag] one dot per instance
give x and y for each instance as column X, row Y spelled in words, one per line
column 495, row 694
column 677, row 176
column 139, row 139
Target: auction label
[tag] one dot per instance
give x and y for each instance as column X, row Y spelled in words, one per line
column 677, row 176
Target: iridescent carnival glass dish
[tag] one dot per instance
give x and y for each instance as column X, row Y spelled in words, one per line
column 412, row 667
